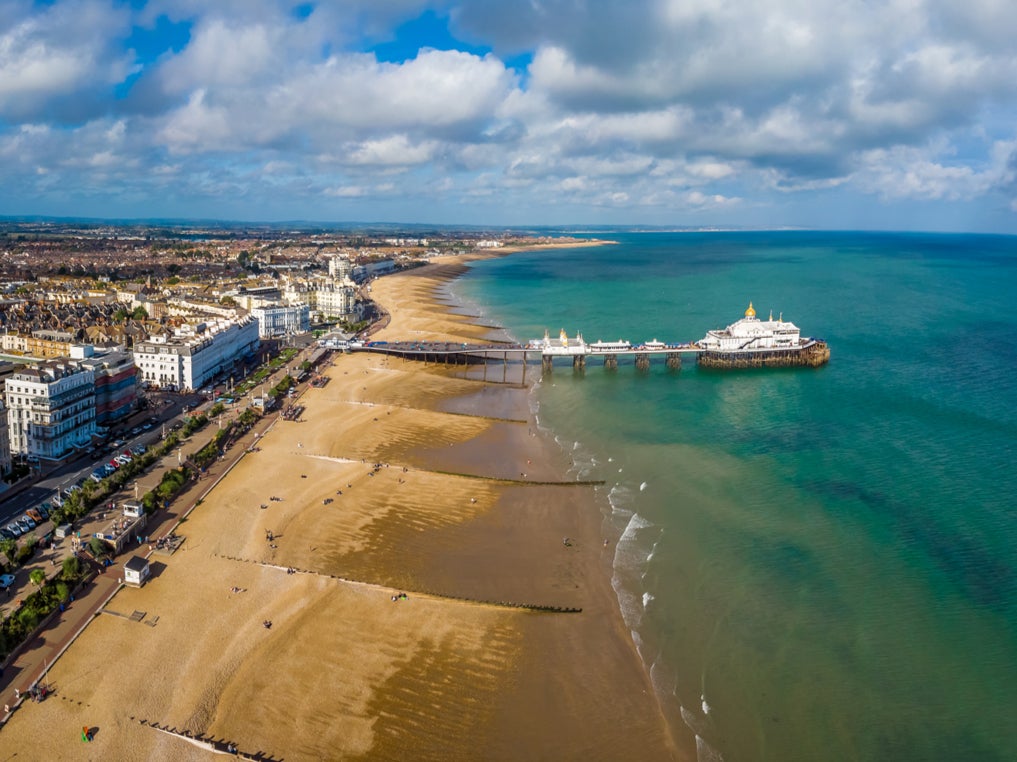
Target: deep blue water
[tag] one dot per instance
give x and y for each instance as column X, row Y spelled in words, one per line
column 815, row 563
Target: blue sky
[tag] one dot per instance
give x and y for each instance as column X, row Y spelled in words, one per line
column 844, row 114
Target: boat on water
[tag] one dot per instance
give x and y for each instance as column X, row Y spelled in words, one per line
column 751, row 342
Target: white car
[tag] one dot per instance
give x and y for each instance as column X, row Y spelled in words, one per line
column 15, row 529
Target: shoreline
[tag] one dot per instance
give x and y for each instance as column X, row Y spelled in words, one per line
column 350, row 670
column 597, row 509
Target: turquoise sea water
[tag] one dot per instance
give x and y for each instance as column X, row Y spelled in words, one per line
column 815, row 564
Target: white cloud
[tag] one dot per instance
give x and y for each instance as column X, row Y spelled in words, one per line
column 926, row 173
column 64, row 51
column 395, row 150
column 696, row 105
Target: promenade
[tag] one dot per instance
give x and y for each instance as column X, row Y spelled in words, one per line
column 31, row 661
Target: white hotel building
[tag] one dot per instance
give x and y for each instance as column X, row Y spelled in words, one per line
column 50, row 409
column 275, row 320
column 195, row 354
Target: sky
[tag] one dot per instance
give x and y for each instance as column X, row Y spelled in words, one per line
column 834, row 114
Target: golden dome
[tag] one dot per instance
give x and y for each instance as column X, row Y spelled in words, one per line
column 750, row 312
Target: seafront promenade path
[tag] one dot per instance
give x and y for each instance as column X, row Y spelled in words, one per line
column 38, row 655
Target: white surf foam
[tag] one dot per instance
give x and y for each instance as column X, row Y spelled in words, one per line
column 705, row 752
column 630, row 554
column 642, row 487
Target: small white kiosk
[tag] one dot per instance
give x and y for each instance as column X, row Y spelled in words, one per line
column 136, row 571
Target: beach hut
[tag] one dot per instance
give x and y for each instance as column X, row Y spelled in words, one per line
column 136, row 571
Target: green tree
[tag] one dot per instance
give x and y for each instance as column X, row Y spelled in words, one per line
column 98, row 547
column 38, row 577
column 140, row 313
column 71, row 568
column 26, row 551
column 9, row 548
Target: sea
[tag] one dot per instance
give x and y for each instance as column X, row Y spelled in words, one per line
column 814, row 564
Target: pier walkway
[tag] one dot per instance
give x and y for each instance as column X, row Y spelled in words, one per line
column 545, row 352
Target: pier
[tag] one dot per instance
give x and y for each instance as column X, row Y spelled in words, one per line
column 545, row 352
column 749, row 343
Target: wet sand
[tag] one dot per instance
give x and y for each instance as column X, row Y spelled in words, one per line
column 345, row 671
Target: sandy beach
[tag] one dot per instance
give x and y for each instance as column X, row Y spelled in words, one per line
column 398, row 478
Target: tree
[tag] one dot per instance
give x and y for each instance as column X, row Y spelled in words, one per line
column 71, row 567
column 38, row 577
column 9, row 548
column 140, row 313
column 98, row 547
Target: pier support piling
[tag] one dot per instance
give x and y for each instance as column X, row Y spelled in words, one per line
column 673, row 361
column 611, row 362
column 579, row 363
column 642, row 361
column 548, row 363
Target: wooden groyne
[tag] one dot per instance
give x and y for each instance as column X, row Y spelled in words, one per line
column 535, row 607
column 208, row 743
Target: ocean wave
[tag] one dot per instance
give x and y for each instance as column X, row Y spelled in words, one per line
column 619, row 500
column 705, row 752
column 630, row 559
column 695, row 723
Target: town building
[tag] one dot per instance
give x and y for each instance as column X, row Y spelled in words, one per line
column 278, row 320
column 50, row 409
column 340, row 268
column 116, row 381
column 49, row 344
column 5, row 443
column 195, row 354
column 326, row 300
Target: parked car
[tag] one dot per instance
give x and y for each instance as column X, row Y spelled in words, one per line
column 114, row 464
column 43, row 508
column 26, row 523
column 15, row 528
column 33, row 514
column 6, row 580
column 57, row 500
column 139, row 449
column 7, row 533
